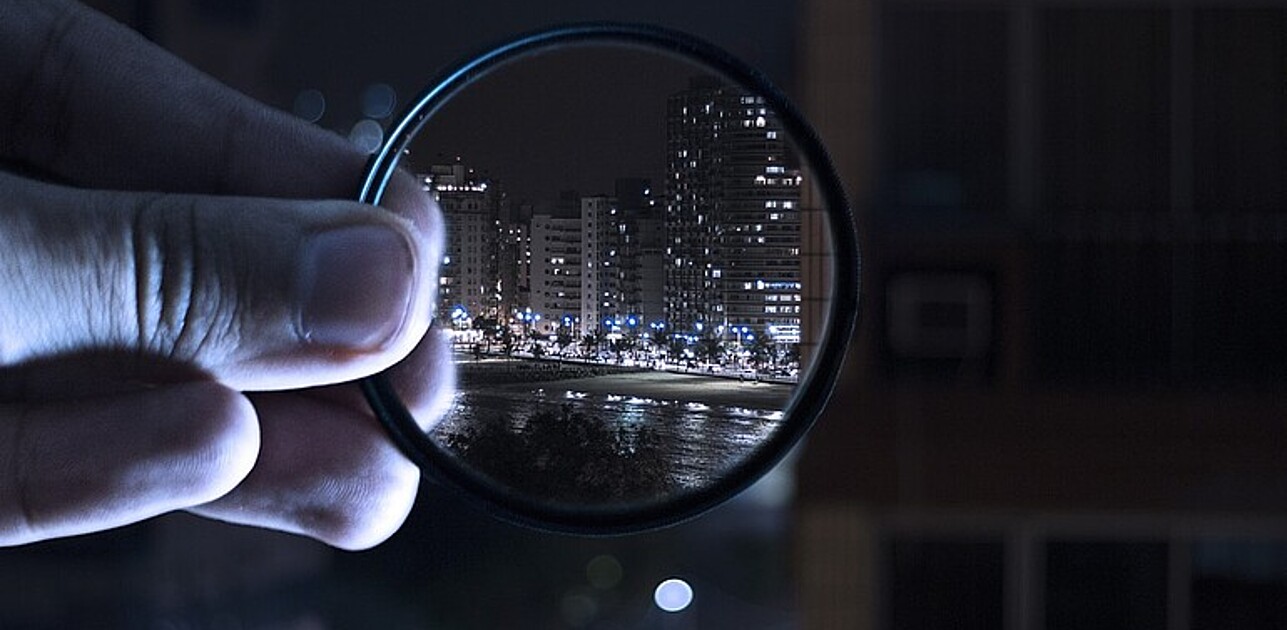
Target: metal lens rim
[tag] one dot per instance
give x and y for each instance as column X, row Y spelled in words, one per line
column 809, row 399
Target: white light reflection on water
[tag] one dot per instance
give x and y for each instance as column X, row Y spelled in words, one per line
column 701, row 440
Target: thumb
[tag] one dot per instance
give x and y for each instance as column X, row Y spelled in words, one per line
column 260, row 293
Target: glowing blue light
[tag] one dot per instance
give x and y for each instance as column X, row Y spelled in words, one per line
column 673, row 595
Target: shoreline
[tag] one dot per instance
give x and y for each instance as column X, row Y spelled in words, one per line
column 658, row 385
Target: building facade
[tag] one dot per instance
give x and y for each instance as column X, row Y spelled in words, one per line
column 732, row 215
column 623, row 282
column 555, row 284
column 470, row 279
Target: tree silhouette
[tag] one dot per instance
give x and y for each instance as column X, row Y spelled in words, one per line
column 763, row 352
column 592, row 341
column 710, row 348
column 568, row 456
column 565, row 340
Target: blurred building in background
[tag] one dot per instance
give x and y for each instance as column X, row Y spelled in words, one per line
column 1064, row 406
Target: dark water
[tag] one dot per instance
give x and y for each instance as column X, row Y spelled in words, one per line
column 696, row 441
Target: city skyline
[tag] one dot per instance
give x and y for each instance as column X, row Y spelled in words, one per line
column 713, row 250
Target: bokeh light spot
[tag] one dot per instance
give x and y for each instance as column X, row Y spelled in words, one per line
column 367, row 135
column 578, row 609
column 378, row 100
column 673, row 595
column 309, row 105
column 603, row 572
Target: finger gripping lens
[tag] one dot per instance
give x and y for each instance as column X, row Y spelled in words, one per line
column 650, row 278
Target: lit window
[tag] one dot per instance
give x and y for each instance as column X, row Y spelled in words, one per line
column 759, row 121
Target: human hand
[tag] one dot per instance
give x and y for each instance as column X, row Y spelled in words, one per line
column 193, row 248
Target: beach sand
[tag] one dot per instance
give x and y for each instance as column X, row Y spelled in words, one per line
column 708, row 390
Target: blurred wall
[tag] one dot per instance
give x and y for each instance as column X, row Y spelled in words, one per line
column 1065, row 392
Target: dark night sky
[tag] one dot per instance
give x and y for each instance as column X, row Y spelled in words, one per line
column 571, row 119
column 565, row 127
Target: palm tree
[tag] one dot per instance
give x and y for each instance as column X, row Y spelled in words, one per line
column 763, row 353
column 675, row 346
column 565, row 340
column 591, row 342
column 710, row 349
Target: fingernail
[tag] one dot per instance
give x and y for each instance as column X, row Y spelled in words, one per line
column 355, row 286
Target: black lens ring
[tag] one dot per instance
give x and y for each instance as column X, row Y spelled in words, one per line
column 809, row 399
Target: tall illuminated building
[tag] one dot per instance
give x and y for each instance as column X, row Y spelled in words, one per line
column 469, row 278
column 555, row 277
column 623, row 276
column 515, row 263
column 732, row 216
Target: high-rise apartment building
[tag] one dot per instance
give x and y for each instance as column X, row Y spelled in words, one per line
column 555, row 283
column 469, row 282
column 515, row 265
column 732, row 215
column 623, row 280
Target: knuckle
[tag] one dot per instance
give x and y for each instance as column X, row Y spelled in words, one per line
column 180, row 307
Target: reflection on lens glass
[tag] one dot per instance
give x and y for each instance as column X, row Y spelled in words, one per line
column 636, row 276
